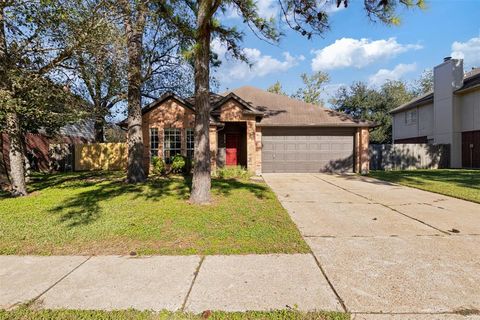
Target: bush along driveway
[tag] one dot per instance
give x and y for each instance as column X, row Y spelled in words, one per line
column 97, row 213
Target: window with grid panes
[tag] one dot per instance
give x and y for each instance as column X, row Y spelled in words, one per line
column 172, row 143
column 190, row 143
column 153, row 142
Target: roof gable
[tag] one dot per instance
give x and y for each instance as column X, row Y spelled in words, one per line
column 247, row 108
column 273, row 109
column 166, row 96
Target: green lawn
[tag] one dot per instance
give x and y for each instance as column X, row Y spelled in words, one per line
column 27, row 314
column 97, row 213
column 463, row 184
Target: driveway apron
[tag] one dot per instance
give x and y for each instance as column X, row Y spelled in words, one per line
column 387, row 249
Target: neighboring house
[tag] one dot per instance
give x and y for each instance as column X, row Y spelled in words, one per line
column 38, row 145
column 262, row 131
column 448, row 115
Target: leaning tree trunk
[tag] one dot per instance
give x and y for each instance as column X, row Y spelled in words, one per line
column 134, row 29
column 201, row 181
column 16, row 154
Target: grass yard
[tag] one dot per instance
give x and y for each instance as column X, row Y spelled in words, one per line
column 27, row 314
column 463, row 184
column 96, row 213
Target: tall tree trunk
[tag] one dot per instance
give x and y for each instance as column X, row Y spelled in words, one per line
column 134, row 30
column 201, row 181
column 99, row 129
column 16, row 154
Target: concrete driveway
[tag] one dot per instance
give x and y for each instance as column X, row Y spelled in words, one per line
column 388, row 249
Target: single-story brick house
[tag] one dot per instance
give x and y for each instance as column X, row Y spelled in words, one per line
column 262, row 131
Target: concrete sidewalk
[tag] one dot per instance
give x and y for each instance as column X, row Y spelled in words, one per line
column 389, row 251
column 189, row 283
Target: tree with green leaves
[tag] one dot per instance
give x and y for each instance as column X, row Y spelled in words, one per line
column 276, row 88
column 134, row 14
column 100, row 72
column 313, row 87
column 145, row 32
column 424, row 84
column 198, row 22
column 35, row 38
column 97, row 74
column 362, row 102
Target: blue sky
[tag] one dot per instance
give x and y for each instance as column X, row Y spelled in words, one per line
column 356, row 49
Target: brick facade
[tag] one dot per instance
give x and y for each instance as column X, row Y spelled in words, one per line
column 362, row 159
column 173, row 114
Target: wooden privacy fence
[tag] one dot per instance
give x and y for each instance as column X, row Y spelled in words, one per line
column 100, row 156
column 409, row 156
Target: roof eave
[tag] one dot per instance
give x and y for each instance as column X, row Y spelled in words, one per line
column 325, row 125
column 411, row 106
column 466, row 90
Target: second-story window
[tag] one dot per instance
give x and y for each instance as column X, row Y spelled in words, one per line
column 411, row 117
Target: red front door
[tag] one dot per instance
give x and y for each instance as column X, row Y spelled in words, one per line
column 231, row 145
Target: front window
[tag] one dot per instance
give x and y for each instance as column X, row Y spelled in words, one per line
column 190, row 143
column 172, row 144
column 153, row 142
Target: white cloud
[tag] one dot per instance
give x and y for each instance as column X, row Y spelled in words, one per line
column 396, row 73
column 268, row 8
column 358, row 53
column 265, row 9
column 469, row 51
column 262, row 64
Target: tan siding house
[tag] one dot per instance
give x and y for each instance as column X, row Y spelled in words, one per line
column 261, row 131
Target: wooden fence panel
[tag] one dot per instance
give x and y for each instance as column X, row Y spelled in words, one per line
column 409, row 156
column 101, row 156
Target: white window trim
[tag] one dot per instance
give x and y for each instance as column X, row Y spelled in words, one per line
column 187, row 149
column 168, row 148
column 152, row 154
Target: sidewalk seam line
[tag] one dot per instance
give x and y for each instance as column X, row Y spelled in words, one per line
column 340, row 300
column 57, row 282
column 384, row 205
column 195, row 275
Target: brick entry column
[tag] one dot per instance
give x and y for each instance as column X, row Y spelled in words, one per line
column 362, row 158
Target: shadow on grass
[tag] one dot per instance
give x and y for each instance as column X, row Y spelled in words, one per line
column 226, row 186
column 86, row 207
